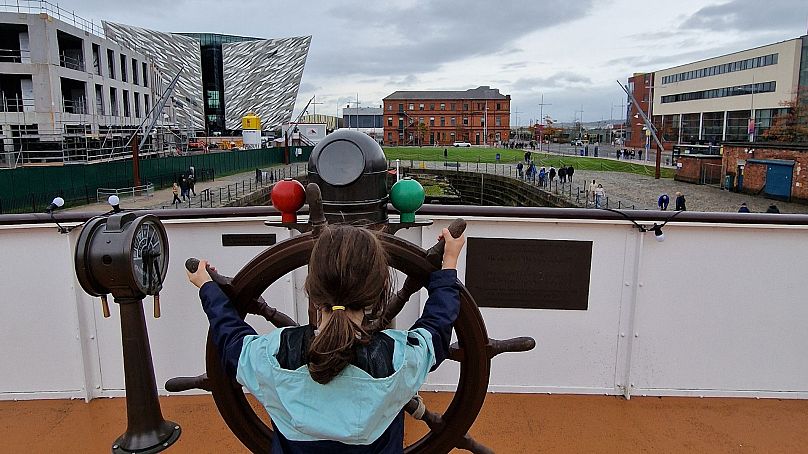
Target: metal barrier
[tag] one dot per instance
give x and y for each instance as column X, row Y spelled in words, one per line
column 146, row 190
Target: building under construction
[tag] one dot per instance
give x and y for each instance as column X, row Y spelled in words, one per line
column 72, row 91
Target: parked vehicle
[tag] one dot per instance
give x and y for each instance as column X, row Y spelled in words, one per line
column 196, row 145
column 461, row 144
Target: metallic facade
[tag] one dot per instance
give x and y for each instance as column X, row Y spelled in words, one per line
column 170, row 53
column 263, row 77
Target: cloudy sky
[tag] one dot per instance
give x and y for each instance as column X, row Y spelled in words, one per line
column 570, row 51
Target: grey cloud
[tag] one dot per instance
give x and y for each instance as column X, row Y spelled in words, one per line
column 750, row 15
column 420, row 37
column 559, row 79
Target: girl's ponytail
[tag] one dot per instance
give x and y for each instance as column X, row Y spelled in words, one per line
column 333, row 348
column 347, row 272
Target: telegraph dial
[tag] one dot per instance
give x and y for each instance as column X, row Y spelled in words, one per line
column 124, row 254
column 127, row 255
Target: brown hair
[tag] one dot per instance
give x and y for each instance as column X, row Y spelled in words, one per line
column 348, row 267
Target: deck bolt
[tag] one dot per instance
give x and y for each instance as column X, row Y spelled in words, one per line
column 636, row 334
column 622, row 334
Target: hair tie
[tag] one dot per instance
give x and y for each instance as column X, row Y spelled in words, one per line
column 337, row 308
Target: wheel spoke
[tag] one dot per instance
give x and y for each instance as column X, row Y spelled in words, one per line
column 516, row 344
column 396, row 304
column 179, row 384
column 472, row 445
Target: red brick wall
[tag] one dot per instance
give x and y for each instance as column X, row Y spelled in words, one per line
column 754, row 175
column 640, row 94
column 476, row 114
column 691, row 170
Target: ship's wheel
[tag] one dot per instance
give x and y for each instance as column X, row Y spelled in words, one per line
column 473, row 349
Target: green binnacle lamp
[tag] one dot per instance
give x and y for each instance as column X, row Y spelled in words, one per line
column 407, row 195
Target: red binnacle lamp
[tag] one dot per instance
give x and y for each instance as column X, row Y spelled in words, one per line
column 288, row 196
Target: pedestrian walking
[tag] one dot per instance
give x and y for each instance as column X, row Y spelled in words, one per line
column 590, row 193
column 680, row 202
column 570, row 171
column 743, row 208
column 176, row 190
column 184, row 188
column 600, row 195
column 772, row 209
column 552, row 174
column 543, row 177
column 519, row 168
column 562, row 174
column 663, row 201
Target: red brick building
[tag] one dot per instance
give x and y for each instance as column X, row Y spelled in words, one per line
column 480, row 116
column 641, row 86
column 771, row 169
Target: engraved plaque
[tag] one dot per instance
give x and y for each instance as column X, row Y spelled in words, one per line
column 529, row 274
column 248, row 239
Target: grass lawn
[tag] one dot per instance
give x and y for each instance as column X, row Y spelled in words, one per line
column 476, row 154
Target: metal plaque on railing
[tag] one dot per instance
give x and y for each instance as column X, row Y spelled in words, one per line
column 529, row 274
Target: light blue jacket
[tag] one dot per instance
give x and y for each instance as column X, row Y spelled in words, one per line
column 353, row 408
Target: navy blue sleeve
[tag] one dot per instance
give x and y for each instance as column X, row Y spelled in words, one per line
column 440, row 311
column 227, row 328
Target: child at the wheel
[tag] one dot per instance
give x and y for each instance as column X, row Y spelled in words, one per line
column 336, row 387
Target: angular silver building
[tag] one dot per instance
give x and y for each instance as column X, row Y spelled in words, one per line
column 263, row 77
column 224, row 77
column 170, row 54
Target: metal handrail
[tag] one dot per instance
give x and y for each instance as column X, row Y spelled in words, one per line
column 640, row 216
column 53, row 10
column 146, row 190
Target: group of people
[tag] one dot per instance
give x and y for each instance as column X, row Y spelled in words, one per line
column 664, row 200
column 545, row 176
column 628, row 154
column 183, row 187
column 772, row 209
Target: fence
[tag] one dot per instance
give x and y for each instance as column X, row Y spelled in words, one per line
column 232, row 192
column 32, row 188
column 575, row 194
column 146, row 190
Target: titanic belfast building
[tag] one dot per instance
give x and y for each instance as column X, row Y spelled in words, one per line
column 223, row 77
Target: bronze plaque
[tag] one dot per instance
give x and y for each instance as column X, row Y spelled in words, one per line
column 529, row 274
column 248, row 239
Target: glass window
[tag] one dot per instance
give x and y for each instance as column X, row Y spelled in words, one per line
column 145, row 75
column 389, row 121
column 452, row 107
column 712, row 126
column 442, row 106
column 737, row 123
column 443, row 121
column 420, row 107
column 411, row 106
column 432, row 107
column 123, row 67
column 452, row 121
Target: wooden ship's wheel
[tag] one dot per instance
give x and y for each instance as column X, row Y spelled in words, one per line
column 473, row 349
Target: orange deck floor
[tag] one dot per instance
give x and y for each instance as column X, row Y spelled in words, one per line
column 508, row 423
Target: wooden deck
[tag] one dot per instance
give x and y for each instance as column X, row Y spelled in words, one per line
column 508, row 423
